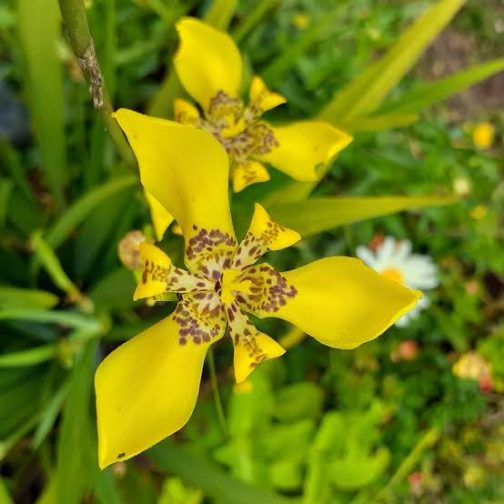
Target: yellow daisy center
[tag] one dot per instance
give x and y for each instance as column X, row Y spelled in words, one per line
column 394, row 274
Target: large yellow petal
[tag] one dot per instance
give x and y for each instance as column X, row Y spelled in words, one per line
column 341, row 302
column 302, row 146
column 161, row 219
column 146, row 390
column 184, row 168
column 207, row 61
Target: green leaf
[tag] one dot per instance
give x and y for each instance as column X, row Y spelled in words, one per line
column 39, row 31
column 321, row 214
column 200, row 473
column 354, row 473
column 365, row 93
column 298, row 401
column 320, row 30
column 5, row 192
column 381, row 122
column 72, row 474
column 48, row 416
column 220, row 13
column 63, row 318
column 51, row 263
column 253, row 17
column 28, row 357
column 115, row 290
column 425, row 95
column 175, row 492
column 84, row 206
column 4, row 494
column 14, row 297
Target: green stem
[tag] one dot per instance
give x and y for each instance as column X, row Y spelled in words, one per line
column 253, row 18
column 52, row 265
column 216, row 393
column 408, row 464
column 75, row 20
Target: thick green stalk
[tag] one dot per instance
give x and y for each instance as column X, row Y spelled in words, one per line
column 75, row 20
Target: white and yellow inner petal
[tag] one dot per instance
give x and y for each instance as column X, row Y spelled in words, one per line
column 245, row 174
column 200, row 318
column 185, row 112
column 261, row 98
column 251, row 347
column 269, row 290
column 160, row 275
column 209, row 251
column 263, row 235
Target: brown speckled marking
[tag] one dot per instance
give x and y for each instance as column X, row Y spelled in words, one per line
column 252, row 137
column 252, row 247
column 200, row 314
column 269, row 291
column 200, row 320
column 243, row 332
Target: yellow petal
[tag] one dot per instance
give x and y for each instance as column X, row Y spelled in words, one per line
column 184, row 168
column 251, row 347
column 160, row 275
column 261, row 98
column 157, row 266
column 185, row 112
column 302, row 146
column 161, row 219
column 251, row 351
column 145, row 391
column 275, row 236
column 341, row 302
column 246, row 174
column 207, row 61
column 263, row 235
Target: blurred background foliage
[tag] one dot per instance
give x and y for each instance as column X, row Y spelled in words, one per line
column 389, row 422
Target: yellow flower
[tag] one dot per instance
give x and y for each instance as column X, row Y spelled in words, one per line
column 301, row 20
column 209, row 66
column 479, row 212
column 147, row 388
column 483, row 135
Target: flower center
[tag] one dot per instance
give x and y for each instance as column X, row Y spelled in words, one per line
column 238, row 128
column 394, row 274
column 231, row 284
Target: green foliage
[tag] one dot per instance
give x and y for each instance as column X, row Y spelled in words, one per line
column 365, row 93
column 322, row 214
column 319, row 426
column 38, row 24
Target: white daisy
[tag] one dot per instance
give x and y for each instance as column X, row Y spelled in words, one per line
column 394, row 260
